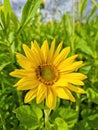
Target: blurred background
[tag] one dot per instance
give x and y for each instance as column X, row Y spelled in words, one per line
column 54, row 9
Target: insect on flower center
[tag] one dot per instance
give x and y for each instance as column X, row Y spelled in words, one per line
column 47, row 74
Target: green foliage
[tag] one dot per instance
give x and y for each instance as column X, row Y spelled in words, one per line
column 82, row 5
column 61, row 124
column 8, row 8
column 14, row 114
column 29, row 117
column 28, row 12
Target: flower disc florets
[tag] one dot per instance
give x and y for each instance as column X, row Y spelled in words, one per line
column 47, row 74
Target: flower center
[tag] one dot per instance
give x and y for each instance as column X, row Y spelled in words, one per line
column 47, row 74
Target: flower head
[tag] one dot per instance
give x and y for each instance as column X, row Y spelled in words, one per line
column 1, row 8
column 48, row 73
column 43, row 2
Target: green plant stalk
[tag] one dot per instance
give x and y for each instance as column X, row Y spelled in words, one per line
column 2, row 84
column 3, row 121
column 73, row 28
column 95, row 3
column 19, row 94
column 72, row 42
column 47, row 113
column 78, row 105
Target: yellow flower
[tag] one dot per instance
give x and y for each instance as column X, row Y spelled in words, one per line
column 43, row 2
column 48, row 73
column 2, row 8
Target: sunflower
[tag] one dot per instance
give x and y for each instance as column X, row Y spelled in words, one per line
column 47, row 73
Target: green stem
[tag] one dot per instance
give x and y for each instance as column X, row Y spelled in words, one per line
column 73, row 27
column 95, row 3
column 3, row 122
column 78, row 105
column 47, row 113
column 19, row 94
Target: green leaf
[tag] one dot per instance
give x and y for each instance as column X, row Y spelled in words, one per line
column 28, row 12
column 2, row 20
column 28, row 117
column 61, row 124
column 7, row 6
column 14, row 19
column 95, row 3
column 84, row 4
column 80, row 6
column 92, row 12
column 37, row 111
column 85, row 113
column 90, row 117
column 82, row 45
column 67, row 24
column 19, row 128
column 93, row 121
column 51, row 126
column 85, row 69
column 82, row 125
column 4, row 65
column 92, row 95
column 69, row 115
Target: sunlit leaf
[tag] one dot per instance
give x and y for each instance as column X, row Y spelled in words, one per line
column 84, row 4
column 92, row 12
column 70, row 118
column 29, row 11
column 28, row 117
column 7, row 6
column 4, row 65
column 82, row 45
column 61, row 124
column 92, row 95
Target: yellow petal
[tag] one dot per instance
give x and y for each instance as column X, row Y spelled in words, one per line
column 76, row 82
column 36, row 51
column 51, row 52
column 26, row 84
column 57, row 50
column 71, row 98
column 36, row 55
column 75, row 89
column 67, row 62
column 39, row 51
column 32, row 45
column 61, row 93
column 22, row 73
column 45, row 49
column 74, row 78
column 28, row 52
column 30, row 95
column 30, row 55
column 50, row 97
column 79, row 76
column 64, row 53
column 23, row 61
column 41, row 94
column 72, row 81
column 72, row 67
column 61, row 82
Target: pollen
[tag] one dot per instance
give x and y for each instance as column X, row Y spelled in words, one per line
column 47, row 74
